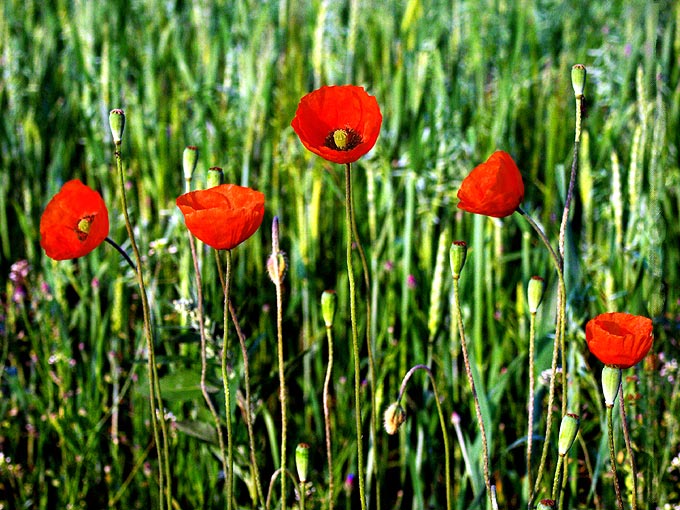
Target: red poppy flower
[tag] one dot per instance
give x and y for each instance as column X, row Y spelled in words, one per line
column 619, row 339
column 494, row 188
column 339, row 123
column 74, row 223
column 224, row 216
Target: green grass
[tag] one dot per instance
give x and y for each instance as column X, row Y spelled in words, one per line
column 455, row 81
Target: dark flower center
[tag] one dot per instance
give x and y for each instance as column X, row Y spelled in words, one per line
column 342, row 139
column 83, row 227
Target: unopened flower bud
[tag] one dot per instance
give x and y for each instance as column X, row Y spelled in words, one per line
column 535, row 293
column 578, row 79
column 189, row 160
column 277, row 265
column 568, row 432
column 329, row 301
column 117, row 125
column 215, row 177
column 611, row 380
column 302, row 461
column 393, row 418
column 457, row 255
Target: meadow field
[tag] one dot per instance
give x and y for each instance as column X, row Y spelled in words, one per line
column 109, row 400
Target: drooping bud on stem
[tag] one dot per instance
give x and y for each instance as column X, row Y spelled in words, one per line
column 302, row 461
column 117, row 125
column 393, row 418
column 535, row 293
column 457, row 255
column 611, row 380
column 329, row 301
column 568, row 432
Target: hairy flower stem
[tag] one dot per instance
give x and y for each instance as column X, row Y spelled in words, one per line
column 442, row 423
column 371, row 361
column 204, row 364
column 276, row 270
column 559, row 339
column 254, row 470
column 471, row 381
column 229, row 474
column 155, row 400
column 558, row 478
column 327, row 415
column 532, row 384
column 612, row 457
column 629, row 449
column 122, row 252
column 355, row 333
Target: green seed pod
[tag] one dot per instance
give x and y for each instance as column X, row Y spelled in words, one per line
column 302, row 461
column 215, row 177
column 393, row 418
column 611, row 380
column 546, row 504
column 578, row 79
column 329, row 300
column 189, row 160
column 568, row 432
column 535, row 293
column 117, row 125
column 457, row 255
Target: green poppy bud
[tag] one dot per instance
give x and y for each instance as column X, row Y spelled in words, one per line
column 117, row 125
column 535, row 293
column 457, row 255
column 215, row 177
column 189, row 160
column 611, row 380
column 578, row 79
column 302, row 461
column 546, row 504
column 568, row 432
column 329, row 300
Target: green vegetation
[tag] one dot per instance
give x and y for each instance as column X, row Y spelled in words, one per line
column 455, row 81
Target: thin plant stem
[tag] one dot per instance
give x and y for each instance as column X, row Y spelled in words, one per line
column 612, row 457
column 276, row 278
column 559, row 334
column 275, row 475
column 532, row 383
column 471, row 381
column 254, row 470
column 303, row 492
column 558, row 478
column 355, row 334
column 442, row 423
column 371, row 360
column 629, row 448
column 204, row 363
column 155, row 400
column 123, row 253
column 327, row 416
column 229, row 475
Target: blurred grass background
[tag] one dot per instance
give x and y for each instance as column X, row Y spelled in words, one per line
column 455, row 81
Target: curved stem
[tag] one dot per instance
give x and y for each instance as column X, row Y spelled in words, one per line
column 204, row 363
column 355, row 334
column 254, row 470
column 471, row 381
column 276, row 474
column 155, row 400
column 629, row 449
column 612, row 457
column 229, row 475
column 123, row 253
column 442, row 423
column 327, row 417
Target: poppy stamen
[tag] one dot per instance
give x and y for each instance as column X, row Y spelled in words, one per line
column 83, row 228
column 343, row 139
